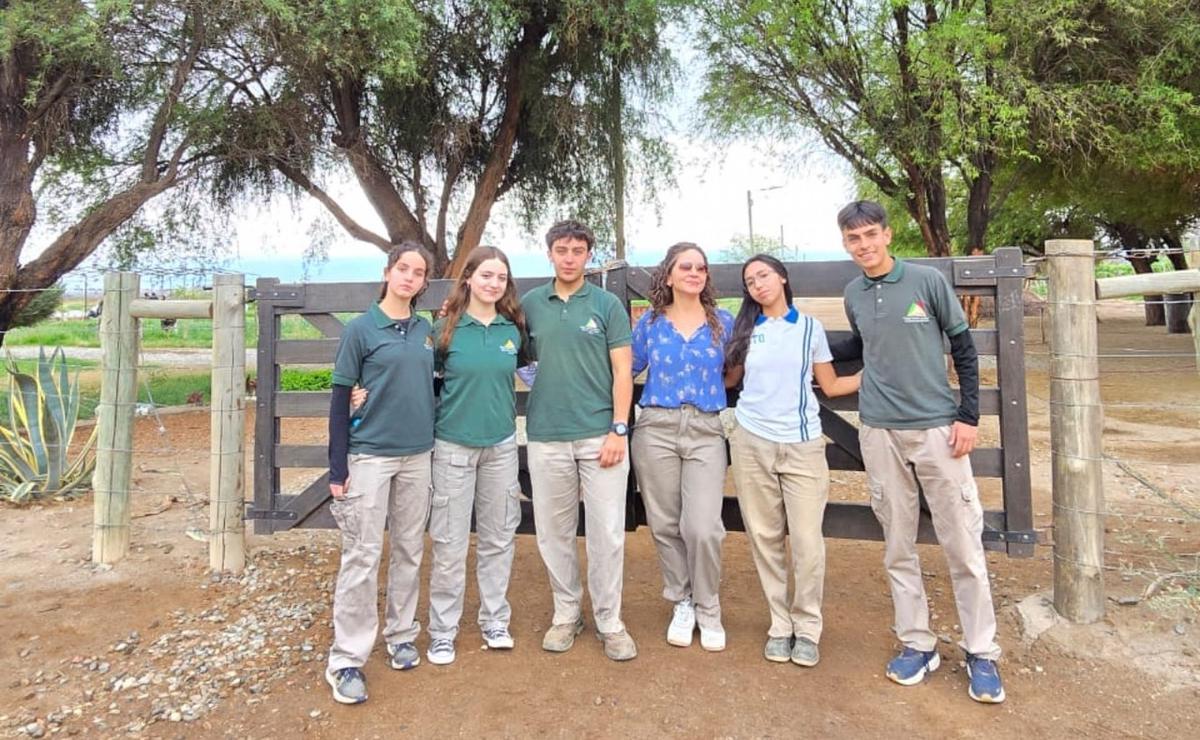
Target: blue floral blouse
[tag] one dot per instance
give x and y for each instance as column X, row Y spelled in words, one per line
column 682, row 370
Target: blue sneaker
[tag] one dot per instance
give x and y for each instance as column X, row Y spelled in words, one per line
column 404, row 655
column 349, row 685
column 910, row 666
column 986, row 686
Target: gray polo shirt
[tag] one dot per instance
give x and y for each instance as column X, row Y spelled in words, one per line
column 901, row 319
column 393, row 360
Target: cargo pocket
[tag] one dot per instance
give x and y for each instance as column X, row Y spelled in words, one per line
column 877, row 503
column 512, row 508
column 439, row 518
column 345, row 512
column 973, row 514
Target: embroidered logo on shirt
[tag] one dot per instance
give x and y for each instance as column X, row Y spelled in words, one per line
column 429, row 343
column 916, row 313
column 591, row 327
column 508, row 348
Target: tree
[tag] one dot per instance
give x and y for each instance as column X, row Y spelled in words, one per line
column 101, row 111
column 457, row 105
column 946, row 107
column 902, row 91
column 743, row 248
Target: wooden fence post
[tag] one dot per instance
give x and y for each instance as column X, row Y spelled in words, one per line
column 1192, row 254
column 226, row 525
column 114, row 418
column 1076, row 428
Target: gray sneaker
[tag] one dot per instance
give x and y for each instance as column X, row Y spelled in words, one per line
column 560, row 637
column 498, row 638
column 404, row 655
column 349, row 685
column 618, row 645
column 441, row 651
column 778, row 649
column 805, row 653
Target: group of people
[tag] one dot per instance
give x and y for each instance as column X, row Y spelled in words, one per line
column 418, row 461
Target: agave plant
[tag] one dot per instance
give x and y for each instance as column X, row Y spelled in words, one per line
column 35, row 445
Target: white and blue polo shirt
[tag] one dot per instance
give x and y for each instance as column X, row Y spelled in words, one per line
column 777, row 401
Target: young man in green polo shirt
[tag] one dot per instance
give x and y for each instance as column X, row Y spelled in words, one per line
column 578, row 444
column 916, row 437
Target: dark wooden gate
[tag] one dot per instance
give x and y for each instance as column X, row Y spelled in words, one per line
column 999, row 276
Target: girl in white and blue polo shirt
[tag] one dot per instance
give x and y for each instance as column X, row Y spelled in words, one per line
column 778, row 452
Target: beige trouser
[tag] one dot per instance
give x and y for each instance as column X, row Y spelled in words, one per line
column 896, row 460
column 563, row 474
column 382, row 489
column 782, row 489
column 679, row 458
column 483, row 480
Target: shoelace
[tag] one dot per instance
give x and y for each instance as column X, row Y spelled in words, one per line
column 495, row 633
column 441, row 645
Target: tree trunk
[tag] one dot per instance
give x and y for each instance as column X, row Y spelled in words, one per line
column 1155, row 310
column 487, row 187
column 617, row 139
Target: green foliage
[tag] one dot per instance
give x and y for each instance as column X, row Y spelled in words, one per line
column 42, row 307
column 741, row 249
column 293, row 379
column 43, row 409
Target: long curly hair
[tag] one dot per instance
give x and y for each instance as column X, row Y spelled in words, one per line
column 509, row 306
column 743, row 325
column 662, row 295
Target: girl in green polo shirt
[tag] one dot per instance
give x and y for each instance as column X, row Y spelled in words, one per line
column 379, row 470
column 478, row 343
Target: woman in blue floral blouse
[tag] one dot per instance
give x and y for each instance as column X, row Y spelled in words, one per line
column 678, row 447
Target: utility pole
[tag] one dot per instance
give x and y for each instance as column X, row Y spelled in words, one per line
column 750, row 218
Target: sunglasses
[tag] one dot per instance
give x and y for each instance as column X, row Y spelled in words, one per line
column 692, row 267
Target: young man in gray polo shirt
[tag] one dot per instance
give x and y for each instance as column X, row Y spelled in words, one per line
column 578, row 445
column 916, row 437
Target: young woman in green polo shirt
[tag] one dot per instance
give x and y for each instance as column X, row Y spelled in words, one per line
column 379, row 470
column 478, row 343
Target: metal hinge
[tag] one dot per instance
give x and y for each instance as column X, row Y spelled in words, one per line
column 284, row 295
column 1019, row 536
column 274, row 514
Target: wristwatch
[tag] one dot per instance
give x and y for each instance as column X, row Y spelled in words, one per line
column 619, row 428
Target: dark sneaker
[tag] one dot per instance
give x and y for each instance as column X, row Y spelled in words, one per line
column 441, row 651
column 498, row 638
column 910, row 666
column 618, row 645
column 404, row 655
column 560, row 637
column 778, row 649
column 349, row 685
column 805, row 653
column 986, row 686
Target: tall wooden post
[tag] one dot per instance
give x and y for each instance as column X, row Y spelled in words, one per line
column 1076, row 425
column 114, row 435
column 227, row 531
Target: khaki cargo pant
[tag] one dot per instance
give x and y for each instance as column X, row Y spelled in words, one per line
column 382, row 489
column 563, row 474
column 482, row 480
column 782, row 490
column 896, row 459
column 679, row 457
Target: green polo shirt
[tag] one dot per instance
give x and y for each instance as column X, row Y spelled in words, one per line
column 902, row 318
column 478, row 407
column 395, row 365
column 572, row 396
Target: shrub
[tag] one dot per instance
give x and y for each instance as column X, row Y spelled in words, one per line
column 291, row 379
column 35, row 446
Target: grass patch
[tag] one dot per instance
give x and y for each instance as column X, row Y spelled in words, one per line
column 195, row 333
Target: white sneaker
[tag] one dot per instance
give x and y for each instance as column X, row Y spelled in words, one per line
column 683, row 624
column 441, row 651
column 712, row 639
column 498, row 638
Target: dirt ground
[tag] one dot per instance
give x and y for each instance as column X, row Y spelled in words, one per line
column 157, row 647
